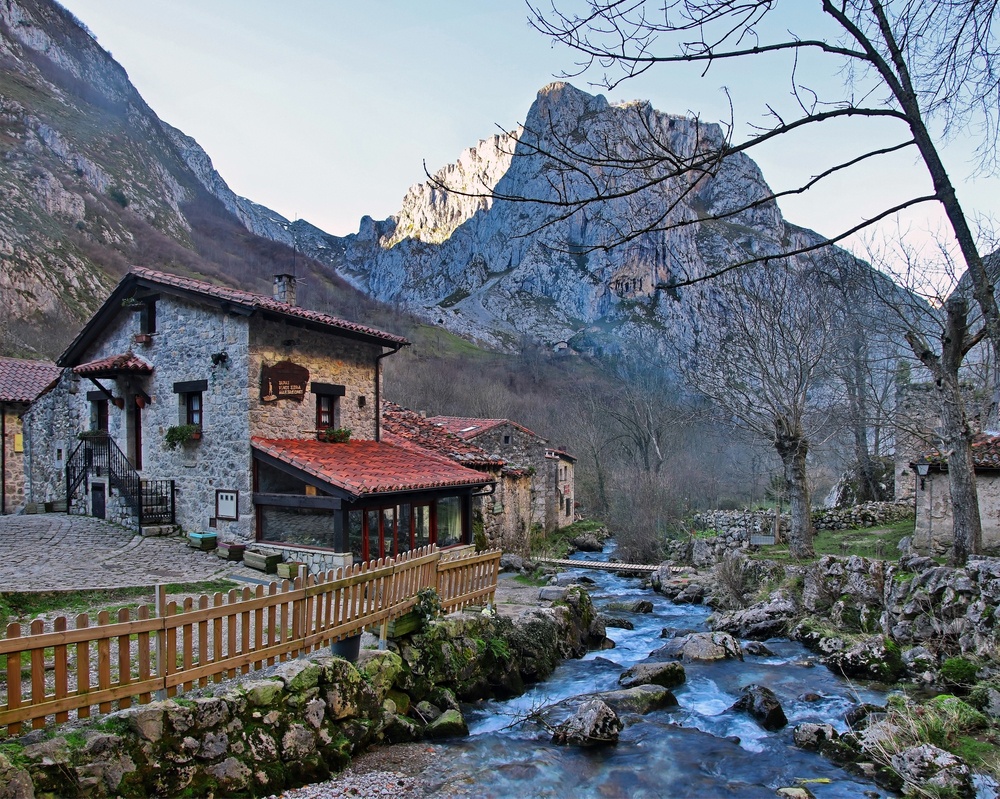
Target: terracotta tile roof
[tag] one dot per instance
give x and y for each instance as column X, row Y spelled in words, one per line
column 406, row 428
column 115, row 365
column 469, row 427
column 985, row 454
column 262, row 302
column 369, row 467
column 23, row 381
column 559, row 453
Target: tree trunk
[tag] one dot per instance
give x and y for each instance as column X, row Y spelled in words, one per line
column 957, row 438
column 792, row 448
column 868, row 487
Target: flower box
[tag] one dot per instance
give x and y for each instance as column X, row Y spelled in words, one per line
column 228, row 551
column 261, row 562
column 289, row 570
column 203, row 541
column 143, row 338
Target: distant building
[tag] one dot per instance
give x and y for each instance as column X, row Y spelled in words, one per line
column 215, row 408
column 552, row 470
column 21, row 382
column 934, row 531
column 506, row 511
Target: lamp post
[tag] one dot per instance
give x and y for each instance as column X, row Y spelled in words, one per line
column 922, row 469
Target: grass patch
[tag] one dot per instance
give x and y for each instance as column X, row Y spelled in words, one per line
column 879, row 543
column 558, row 543
column 19, row 607
column 535, row 579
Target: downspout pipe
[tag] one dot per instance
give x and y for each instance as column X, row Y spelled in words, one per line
column 378, row 390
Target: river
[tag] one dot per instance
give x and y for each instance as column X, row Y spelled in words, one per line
column 699, row 749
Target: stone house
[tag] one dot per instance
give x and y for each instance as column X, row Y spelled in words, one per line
column 21, row 382
column 933, row 534
column 552, row 482
column 505, row 514
column 185, row 402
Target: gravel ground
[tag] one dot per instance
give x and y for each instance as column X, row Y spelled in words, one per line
column 393, row 772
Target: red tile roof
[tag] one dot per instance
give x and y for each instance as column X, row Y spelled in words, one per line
column 115, row 365
column 469, row 427
column 985, row 453
column 406, row 428
column 262, row 302
column 369, row 467
column 23, row 381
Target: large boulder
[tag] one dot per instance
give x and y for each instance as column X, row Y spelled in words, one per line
column 762, row 704
column 449, row 724
column 768, row 619
column 668, row 675
column 927, row 770
column 593, row 724
column 875, row 658
column 701, row 647
column 641, row 699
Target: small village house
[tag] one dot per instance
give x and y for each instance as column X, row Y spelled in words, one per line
column 216, row 409
column 553, row 499
column 506, row 514
column 933, row 534
column 21, row 381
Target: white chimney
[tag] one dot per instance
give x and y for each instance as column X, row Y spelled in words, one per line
column 284, row 289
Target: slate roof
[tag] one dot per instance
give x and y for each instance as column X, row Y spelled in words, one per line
column 235, row 300
column 22, row 380
column 408, row 429
column 114, row 365
column 362, row 468
column 469, row 427
column 985, row 454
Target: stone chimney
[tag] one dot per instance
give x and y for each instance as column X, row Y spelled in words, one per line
column 284, row 289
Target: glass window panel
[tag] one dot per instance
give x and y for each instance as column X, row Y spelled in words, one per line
column 449, row 521
column 421, row 525
column 311, row 527
column 374, row 539
column 403, row 531
column 389, row 532
column 355, row 534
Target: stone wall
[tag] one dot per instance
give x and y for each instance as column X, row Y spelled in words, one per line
column 350, row 364
column 299, row 721
column 934, row 533
column 506, row 514
column 733, row 528
column 51, row 426
column 13, row 459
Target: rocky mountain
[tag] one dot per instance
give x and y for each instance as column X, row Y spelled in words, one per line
column 93, row 181
column 499, row 269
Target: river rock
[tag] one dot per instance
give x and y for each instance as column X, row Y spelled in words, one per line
column 588, row 542
column 701, row 647
column 641, row 699
column 449, row 724
column 875, row 658
column 813, row 736
column 763, row 705
column 509, row 562
column 668, row 675
column 638, row 606
column 757, row 649
column 795, row 792
column 618, row 622
column 593, row 724
column 768, row 619
column 553, row 593
column 926, row 768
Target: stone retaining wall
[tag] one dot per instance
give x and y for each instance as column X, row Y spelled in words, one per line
column 300, row 720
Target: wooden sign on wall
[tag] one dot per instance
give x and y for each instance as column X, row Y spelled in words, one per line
column 283, row 380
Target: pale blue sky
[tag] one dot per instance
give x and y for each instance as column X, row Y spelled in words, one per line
column 325, row 110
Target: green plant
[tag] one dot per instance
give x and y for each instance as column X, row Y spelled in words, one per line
column 180, row 434
column 116, row 194
column 959, row 672
column 428, row 605
column 335, row 435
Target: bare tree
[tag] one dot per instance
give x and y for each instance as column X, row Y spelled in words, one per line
column 762, row 356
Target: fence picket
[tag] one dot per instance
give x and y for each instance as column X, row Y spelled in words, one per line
column 224, row 635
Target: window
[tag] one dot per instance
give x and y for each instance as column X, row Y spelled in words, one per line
column 191, row 401
column 147, row 318
column 327, row 404
column 449, row 521
column 569, row 507
column 506, row 439
column 99, row 415
column 193, row 407
column 327, row 411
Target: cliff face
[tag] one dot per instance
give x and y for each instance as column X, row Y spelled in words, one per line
column 502, row 268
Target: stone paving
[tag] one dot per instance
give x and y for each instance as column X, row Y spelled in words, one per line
column 60, row 552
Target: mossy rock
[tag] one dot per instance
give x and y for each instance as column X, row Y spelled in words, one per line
column 449, row 724
column 264, row 693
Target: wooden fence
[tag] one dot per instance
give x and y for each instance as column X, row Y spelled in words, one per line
column 118, row 661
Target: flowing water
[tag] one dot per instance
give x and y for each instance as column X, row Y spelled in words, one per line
column 699, row 749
